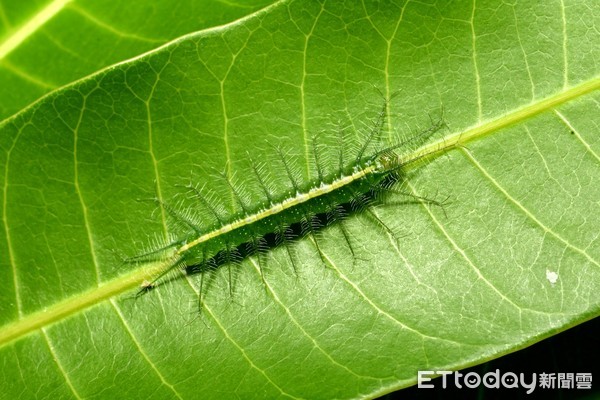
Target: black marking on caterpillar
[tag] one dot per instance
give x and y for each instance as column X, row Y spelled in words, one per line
column 282, row 218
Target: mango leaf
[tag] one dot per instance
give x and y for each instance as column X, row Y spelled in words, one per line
column 511, row 258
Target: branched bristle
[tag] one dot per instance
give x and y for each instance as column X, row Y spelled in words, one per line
column 318, row 165
column 206, row 202
column 342, row 137
column 212, row 236
column 374, row 134
column 158, row 252
column 260, row 173
column 392, row 162
column 288, row 170
column 183, row 218
column 241, row 198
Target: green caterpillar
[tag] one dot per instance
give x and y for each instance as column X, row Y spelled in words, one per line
column 281, row 217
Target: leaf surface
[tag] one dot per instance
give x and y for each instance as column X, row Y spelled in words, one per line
column 512, row 258
column 47, row 44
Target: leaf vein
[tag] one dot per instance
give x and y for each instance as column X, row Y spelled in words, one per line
column 527, row 212
column 244, row 353
column 141, row 350
column 304, row 332
column 58, row 364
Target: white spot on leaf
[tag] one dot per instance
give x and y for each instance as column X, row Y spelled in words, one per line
column 551, row 276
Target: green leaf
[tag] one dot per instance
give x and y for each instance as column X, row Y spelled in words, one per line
column 46, row 45
column 514, row 256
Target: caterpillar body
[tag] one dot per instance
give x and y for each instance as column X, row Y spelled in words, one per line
column 212, row 237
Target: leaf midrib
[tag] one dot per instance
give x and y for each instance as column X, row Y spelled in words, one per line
column 129, row 281
column 31, row 26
